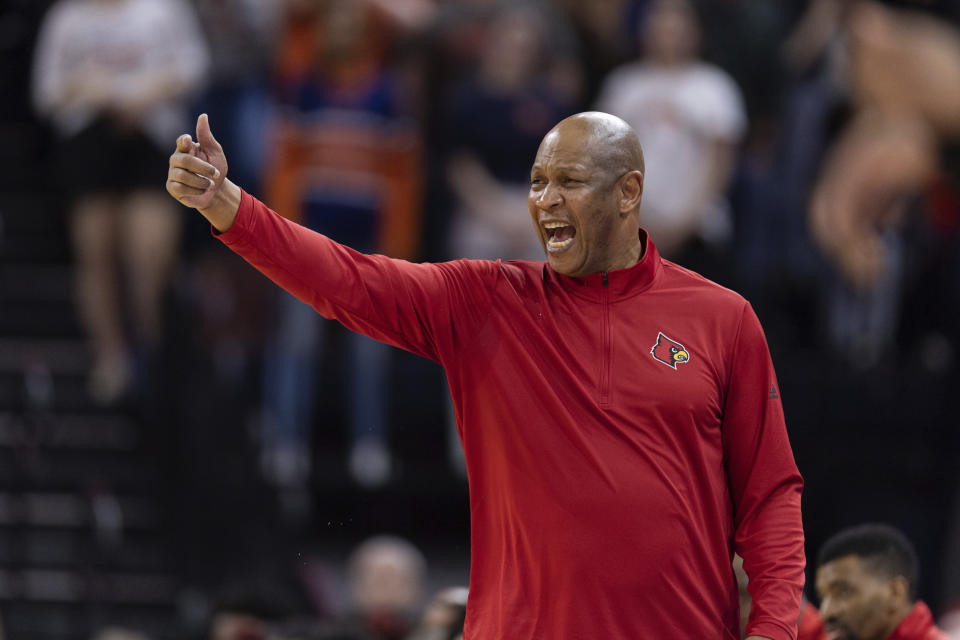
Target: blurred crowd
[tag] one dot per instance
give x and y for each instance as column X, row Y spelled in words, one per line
column 805, row 153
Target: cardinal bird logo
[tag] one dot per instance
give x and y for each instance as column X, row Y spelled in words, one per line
column 669, row 352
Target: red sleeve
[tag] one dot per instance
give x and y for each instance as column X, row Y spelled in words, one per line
column 424, row 308
column 765, row 486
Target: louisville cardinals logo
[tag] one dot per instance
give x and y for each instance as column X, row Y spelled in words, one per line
column 669, row 352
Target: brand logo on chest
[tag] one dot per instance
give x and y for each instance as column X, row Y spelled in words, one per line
column 669, row 352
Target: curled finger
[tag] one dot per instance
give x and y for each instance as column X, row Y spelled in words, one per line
column 195, row 165
column 179, row 190
column 190, row 179
column 185, row 143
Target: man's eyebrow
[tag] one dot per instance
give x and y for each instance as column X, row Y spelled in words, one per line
column 563, row 168
column 843, row 582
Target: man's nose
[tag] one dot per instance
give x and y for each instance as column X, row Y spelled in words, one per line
column 549, row 198
column 828, row 610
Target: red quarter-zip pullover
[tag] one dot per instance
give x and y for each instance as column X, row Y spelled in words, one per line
column 623, row 434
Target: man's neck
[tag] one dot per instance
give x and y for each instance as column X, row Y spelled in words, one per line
column 630, row 258
column 897, row 618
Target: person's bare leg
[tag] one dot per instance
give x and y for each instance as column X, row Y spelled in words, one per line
column 94, row 235
column 150, row 246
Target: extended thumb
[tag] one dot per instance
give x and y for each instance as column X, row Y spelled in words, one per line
column 204, row 135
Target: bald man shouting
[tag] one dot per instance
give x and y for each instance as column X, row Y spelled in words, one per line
column 619, row 414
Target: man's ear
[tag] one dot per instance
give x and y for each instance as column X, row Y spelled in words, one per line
column 630, row 191
column 900, row 590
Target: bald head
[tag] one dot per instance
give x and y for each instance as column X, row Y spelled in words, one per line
column 610, row 142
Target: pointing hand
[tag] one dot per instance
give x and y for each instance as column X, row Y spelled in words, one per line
column 197, row 169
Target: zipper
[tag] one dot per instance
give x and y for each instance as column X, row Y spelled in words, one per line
column 605, row 365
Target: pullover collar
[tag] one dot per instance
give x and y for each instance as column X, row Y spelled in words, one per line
column 918, row 625
column 612, row 285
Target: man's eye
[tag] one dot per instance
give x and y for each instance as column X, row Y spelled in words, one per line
column 842, row 592
column 571, row 181
column 536, row 181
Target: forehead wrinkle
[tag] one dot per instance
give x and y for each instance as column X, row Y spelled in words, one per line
column 563, row 168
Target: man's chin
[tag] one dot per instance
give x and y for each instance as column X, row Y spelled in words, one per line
column 565, row 265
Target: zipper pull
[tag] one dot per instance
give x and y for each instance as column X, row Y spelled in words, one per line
column 605, row 281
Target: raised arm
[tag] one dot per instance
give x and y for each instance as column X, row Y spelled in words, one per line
column 765, row 486
column 425, row 308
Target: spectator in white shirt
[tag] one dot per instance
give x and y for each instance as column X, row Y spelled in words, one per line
column 689, row 116
column 113, row 76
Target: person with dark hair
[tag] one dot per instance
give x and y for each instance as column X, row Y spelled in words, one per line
column 619, row 414
column 113, row 77
column 867, row 583
column 344, row 161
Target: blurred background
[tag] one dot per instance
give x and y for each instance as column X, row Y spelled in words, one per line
column 187, row 452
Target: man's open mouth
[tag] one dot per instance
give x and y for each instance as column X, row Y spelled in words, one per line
column 559, row 235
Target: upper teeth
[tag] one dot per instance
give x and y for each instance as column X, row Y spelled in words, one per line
column 554, row 225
